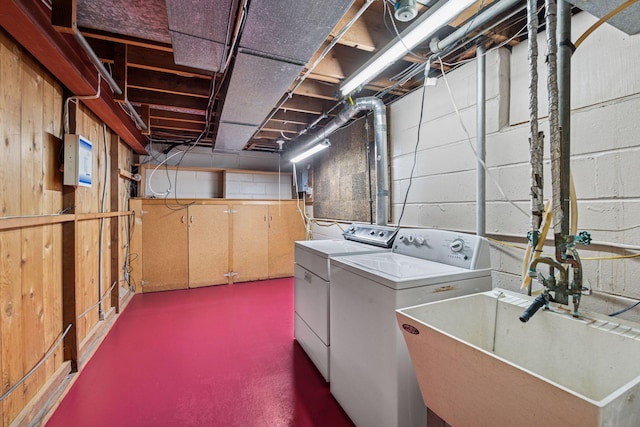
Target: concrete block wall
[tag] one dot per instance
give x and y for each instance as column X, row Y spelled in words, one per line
column 605, row 149
column 258, row 186
column 183, row 184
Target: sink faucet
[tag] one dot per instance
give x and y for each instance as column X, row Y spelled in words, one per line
column 566, row 253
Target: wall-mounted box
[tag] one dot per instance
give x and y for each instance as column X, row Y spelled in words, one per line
column 78, row 160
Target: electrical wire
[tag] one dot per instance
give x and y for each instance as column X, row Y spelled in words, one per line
column 415, row 153
column 78, row 98
column 624, row 310
column 601, row 21
column 48, row 354
column 466, row 131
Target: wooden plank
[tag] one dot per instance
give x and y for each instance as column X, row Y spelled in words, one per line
column 115, row 226
column 169, row 83
column 120, row 71
column 135, row 245
column 150, row 97
column 146, row 118
column 64, row 14
column 285, row 227
column 32, row 198
column 11, row 322
column 165, row 249
column 33, row 308
column 69, row 274
column 208, row 245
column 249, row 240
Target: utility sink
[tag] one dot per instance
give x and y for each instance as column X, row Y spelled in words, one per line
column 478, row 365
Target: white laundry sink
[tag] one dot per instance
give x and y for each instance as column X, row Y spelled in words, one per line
column 478, row 365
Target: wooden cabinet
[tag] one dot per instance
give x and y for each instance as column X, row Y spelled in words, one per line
column 208, row 245
column 165, row 256
column 217, row 242
column 285, row 227
column 184, row 248
column 250, row 242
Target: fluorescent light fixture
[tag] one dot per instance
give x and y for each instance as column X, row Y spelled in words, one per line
column 424, row 27
column 311, row 151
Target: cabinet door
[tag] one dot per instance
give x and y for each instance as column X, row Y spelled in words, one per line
column 164, row 246
column 250, row 242
column 285, row 227
column 208, row 245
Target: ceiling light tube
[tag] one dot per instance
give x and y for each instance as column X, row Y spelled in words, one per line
column 425, row 27
column 311, row 151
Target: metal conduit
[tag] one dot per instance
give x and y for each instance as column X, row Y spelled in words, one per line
column 105, row 75
column 481, row 138
column 480, row 20
column 380, row 152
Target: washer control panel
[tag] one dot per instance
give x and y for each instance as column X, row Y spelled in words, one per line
column 446, row 247
column 378, row 235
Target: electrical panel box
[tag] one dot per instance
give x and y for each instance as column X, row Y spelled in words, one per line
column 78, row 160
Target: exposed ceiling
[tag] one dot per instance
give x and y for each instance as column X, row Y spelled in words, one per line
column 227, row 72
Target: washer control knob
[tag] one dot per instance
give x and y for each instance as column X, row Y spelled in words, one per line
column 372, row 232
column 410, row 238
column 381, row 234
column 457, row 245
column 420, row 241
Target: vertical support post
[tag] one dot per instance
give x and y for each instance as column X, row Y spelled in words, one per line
column 564, row 107
column 120, row 70
column 64, row 15
column 116, row 221
column 481, row 136
column 146, row 118
column 69, row 270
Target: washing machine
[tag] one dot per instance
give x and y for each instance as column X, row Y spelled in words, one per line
column 311, row 321
column 371, row 373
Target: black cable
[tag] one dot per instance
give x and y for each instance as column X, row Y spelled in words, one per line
column 624, row 309
column 415, row 153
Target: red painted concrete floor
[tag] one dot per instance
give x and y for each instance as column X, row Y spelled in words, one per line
column 217, row 356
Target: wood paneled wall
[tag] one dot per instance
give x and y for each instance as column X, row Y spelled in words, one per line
column 31, row 257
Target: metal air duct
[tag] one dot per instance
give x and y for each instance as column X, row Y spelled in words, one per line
column 381, row 150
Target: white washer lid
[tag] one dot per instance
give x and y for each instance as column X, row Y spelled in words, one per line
column 399, row 271
column 330, row 248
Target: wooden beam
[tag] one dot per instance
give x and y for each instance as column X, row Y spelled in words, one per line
column 303, row 104
column 28, row 21
column 169, row 83
column 69, row 274
column 149, row 97
column 64, row 15
column 146, row 58
column 120, row 70
column 293, row 117
column 176, row 125
column 358, row 36
column 175, row 115
column 278, row 127
column 316, row 89
column 116, row 221
column 146, row 118
column 128, row 40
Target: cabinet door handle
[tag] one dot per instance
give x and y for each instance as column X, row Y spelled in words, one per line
column 265, row 217
column 191, row 219
column 182, row 219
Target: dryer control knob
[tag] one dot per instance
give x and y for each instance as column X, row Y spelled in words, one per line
column 410, row 238
column 420, row 241
column 457, row 245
